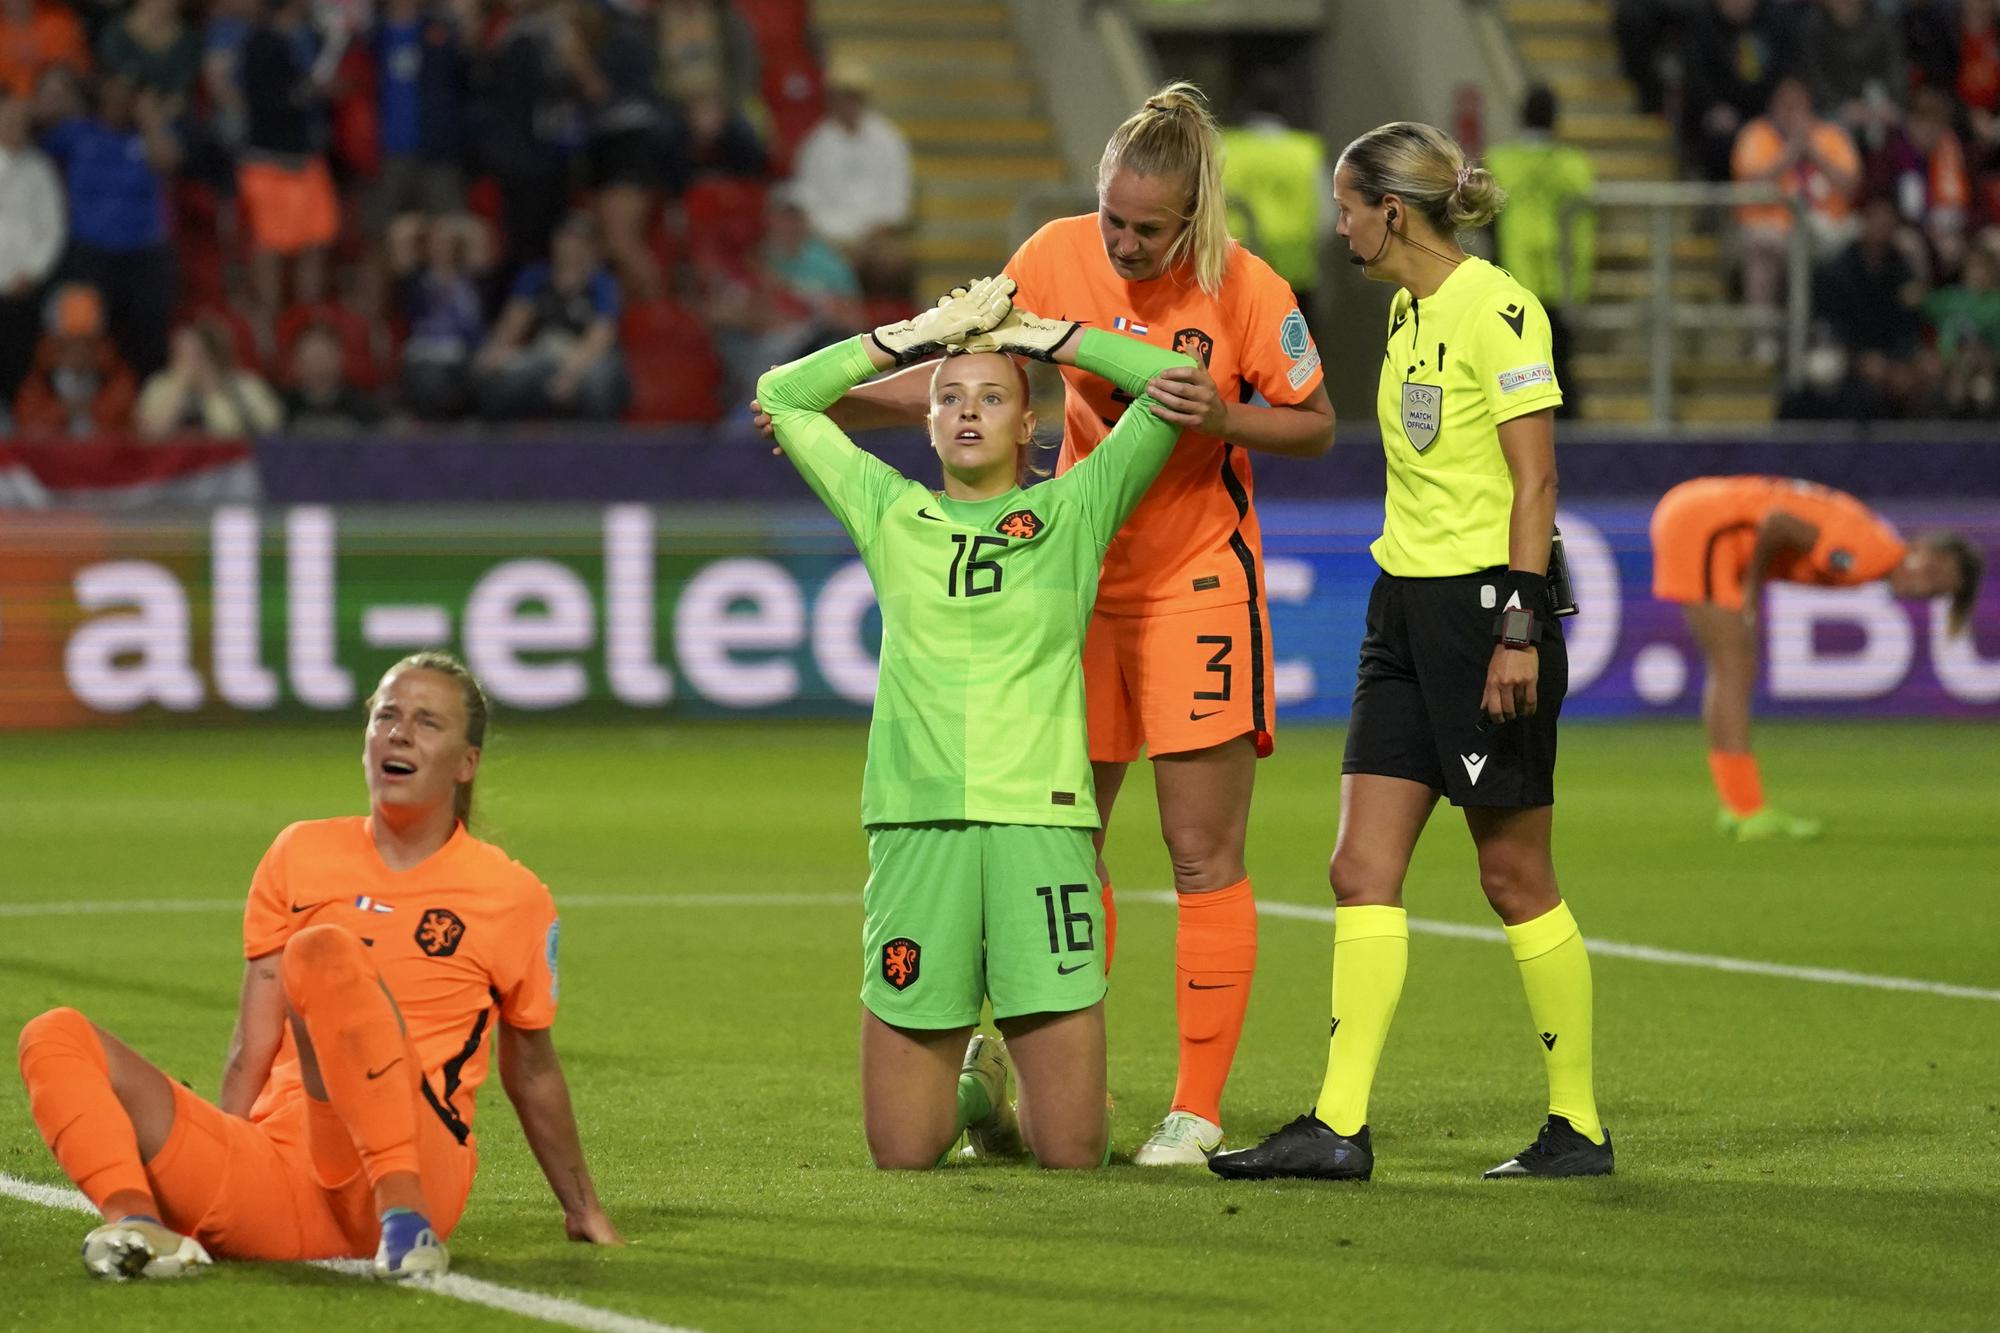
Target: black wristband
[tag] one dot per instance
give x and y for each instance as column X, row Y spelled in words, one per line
column 1527, row 591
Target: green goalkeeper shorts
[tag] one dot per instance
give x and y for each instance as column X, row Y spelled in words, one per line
column 959, row 912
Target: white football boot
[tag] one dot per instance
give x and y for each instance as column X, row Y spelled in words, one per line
column 138, row 1247
column 1182, row 1139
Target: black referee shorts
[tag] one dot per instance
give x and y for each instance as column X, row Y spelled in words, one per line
column 1416, row 695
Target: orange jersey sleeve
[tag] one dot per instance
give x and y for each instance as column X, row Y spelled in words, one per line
column 1855, row 545
column 463, row 939
column 1193, row 541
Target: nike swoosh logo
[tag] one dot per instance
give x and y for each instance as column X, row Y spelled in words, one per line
column 926, row 513
column 309, row 906
column 1225, row 985
column 1062, row 971
column 377, row 1073
column 1198, row 717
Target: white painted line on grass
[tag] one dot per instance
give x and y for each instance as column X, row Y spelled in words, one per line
column 1599, row 948
column 457, row 1286
column 1644, row 953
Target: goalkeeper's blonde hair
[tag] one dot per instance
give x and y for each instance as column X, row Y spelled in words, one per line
column 1174, row 136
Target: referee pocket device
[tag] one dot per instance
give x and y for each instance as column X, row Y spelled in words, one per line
column 1562, row 598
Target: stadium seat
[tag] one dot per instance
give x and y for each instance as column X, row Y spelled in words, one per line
column 356, row 341
column 725, row 221
column 676, row 375
column 790, row 73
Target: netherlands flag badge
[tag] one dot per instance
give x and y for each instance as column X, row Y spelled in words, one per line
column 1131, row 326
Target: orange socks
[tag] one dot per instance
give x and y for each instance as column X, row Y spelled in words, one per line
column 366, row 1063
column 1215, row 953
column 1110, row 929
column 1737, row 781
column 80, row 1117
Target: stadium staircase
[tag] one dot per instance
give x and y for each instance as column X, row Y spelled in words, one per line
column 1568, row 45
column 967, row 102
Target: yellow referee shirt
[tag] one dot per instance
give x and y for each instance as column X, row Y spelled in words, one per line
column 1473, row 354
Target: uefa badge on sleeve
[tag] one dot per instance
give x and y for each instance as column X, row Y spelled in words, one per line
column 1423, row 409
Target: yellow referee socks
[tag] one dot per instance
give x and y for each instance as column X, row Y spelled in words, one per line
column 1555, row 971
column 1371, row 952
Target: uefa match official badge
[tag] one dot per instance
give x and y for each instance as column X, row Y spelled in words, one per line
column 1423, row 411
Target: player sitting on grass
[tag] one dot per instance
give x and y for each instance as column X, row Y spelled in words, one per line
column 977, row 797
column 379, row 950
column 1718, row 540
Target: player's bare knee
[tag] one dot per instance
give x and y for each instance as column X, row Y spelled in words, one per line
column 1079, row 1156
column 1358, row 881
column 1202, row 861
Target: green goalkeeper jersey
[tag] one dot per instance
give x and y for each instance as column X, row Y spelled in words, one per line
column 979, row 707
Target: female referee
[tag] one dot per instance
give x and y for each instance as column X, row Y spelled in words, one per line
column 1462, row 666
column 380, row 951
column 977, row 800
column 1178, row 662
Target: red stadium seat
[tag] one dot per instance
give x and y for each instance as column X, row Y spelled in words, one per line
column 725, row 221
column 357, row 343
column 676, row 375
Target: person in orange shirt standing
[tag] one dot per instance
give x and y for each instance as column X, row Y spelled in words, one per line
column 1718, row 540
column 382, row 952
column 1178, row 661
column 36, row 36
column 1812, row 162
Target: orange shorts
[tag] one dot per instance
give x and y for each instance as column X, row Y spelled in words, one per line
column 290, row 208
column 1701, row 545
column 1186, row 680
column 290, row 1186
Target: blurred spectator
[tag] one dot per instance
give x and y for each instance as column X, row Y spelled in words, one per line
column 1870, row 293
column 202, row 392
column 854, row 167
column 554, row 350
column 437, row 263
column 1978, row 85
column 1930, row 43
column 1852, row 60
column 1645, row 32
column 798, row 295
column 635, row 149
column 36, row 36
column 117, row 164
column 1548, row 234
column 420, row 90
column 321, row 401
column 1827, row 391
column 288, row 196
column 528, row 121
column 1279, row 176
column 1922, row 167
column 78, row 386
column 709, row 68
column 1813, row 163
column 31, row 240
column 1733, row 55
column 222, row 41
column 152, row 47
column 1967, row 320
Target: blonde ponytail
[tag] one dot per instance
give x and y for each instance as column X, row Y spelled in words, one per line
column 1425, row 168
column 1173, row 137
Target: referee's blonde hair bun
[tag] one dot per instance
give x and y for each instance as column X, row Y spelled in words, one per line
column 1423, row 166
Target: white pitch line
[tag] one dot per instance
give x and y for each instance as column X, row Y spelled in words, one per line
column 457, row 1286
column 1644, row 953
column 1601, row 948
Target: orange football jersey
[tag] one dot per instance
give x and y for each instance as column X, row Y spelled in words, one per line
column 460, row 939
column 1193, row 541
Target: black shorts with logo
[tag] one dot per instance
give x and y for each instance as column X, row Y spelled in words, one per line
column 1416, row 695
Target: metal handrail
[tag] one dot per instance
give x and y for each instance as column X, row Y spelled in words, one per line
column 1664, row 315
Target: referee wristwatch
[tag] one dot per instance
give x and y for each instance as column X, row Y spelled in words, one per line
column 1517, row 628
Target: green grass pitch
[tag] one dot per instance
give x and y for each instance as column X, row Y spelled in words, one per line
column 1792, row 1154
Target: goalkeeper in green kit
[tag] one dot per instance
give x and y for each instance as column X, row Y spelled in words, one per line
column 977, row 799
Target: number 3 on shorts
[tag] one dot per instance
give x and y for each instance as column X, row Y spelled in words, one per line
column 1218, row 664
column 1070, row 919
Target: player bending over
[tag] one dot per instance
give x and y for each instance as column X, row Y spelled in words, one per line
column 1718, row 540
column 977, row 798
column 381, row 951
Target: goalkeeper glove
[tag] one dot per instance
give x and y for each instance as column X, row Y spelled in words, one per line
column 961, row 313
column 1025, row 335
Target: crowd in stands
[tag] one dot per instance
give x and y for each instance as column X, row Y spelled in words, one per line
column 1881, row 119
column 234, row 217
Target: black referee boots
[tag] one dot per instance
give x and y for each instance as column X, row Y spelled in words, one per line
column 1306, row 1148
column 1559, row 1150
